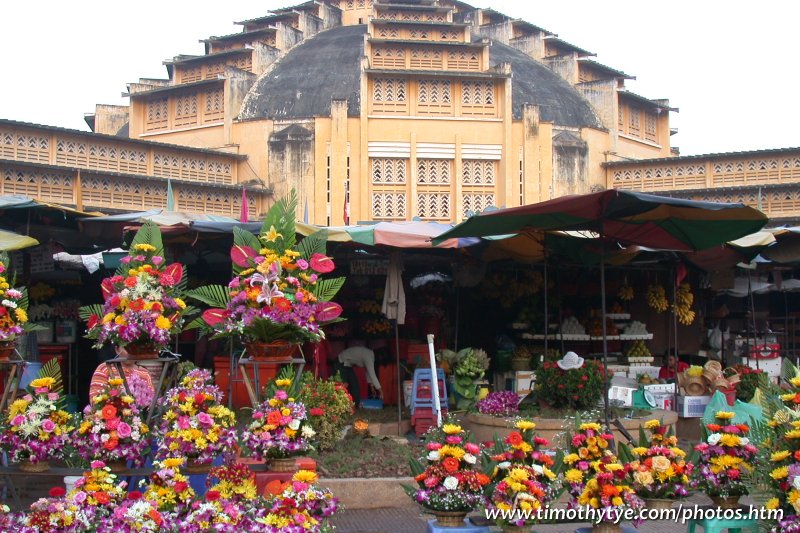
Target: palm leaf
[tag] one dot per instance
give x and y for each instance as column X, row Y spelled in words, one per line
column 213, row 295
column 326, row 289
column 149, row 234
column 242, row 237
column 313, row 244
column 52, row 369
column 24, row 301
column 88, row 310
column 281, row 216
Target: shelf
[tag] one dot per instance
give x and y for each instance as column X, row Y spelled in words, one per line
column 642, row 337
column 618, row 316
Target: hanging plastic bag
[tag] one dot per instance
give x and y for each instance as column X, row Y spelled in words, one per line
column 745, row 413
column 715, row 338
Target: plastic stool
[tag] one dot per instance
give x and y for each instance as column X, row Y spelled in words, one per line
column 422, row 389
column 717, row 525
column 434, row 527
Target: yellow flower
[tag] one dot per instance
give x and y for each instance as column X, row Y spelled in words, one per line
column 780, row 473
column 180, row 303
column 641, row 450
column 108, row 318
column 453, row 451
column 613, row 467
column 22, row 316
column 652, row 424
column 120, row 320
column 283, row 382
column 725, row 415
column 451, row 429
column 729, row 440
column 772, row 503
column 616, row 501
column 573, row 475
column 305, row 476
column 525, row 425
column 163, row 322
column 43, row 382
column 272, row 235
column 518, row 474
column 695, row 371
column 779, row 456
column 115, row 382
column 661, row 463
column 793, row 434
column 590, row 425
column 144, row 248
column 571, row 458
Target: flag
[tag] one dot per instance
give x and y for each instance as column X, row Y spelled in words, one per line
column 170, row 196
column 243, row 212
column 346, row 213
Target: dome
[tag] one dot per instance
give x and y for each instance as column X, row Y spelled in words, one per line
column 327, row 66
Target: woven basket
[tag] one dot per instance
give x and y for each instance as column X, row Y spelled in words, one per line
column 41, row 466
column 695, row 386
column 720, row 383
column 712, row 370
column 733, row 377
column 193, row 467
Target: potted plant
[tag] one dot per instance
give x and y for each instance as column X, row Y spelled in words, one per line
column 499, row 403
column 13, row 312
column 279, row 430
column 523, row 482
column 37, row 428
column 142, row 306
column 725, row 458
column 277, row 298
column 660, row 470
column 196, row 425
column 449, row 482
column 329, row 408
column 571, row 383
column 112, row 429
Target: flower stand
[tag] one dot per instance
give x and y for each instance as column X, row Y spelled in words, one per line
column 434, row 527
column 714, row 525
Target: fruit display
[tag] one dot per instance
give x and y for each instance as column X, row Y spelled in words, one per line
column 368, row 307
column 683, row 304
column 625, row 292
column 595, row 327
column 646, row 379
column 616, row 309
column 657, row 298
column 571, row 326
column 639, row 354
column 511, row 287
column 636, row 329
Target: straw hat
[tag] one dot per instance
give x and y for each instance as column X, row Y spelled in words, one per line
column 570, row 361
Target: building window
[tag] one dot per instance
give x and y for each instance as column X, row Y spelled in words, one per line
column 433, row 205
column 477, row 98
column 186, row 110
column 389, row 171
column 156, row 114
column 651, row 127
column 389, row 90
column 433, row 171
column 634, row 122
column 214, row 109
column 478, row 172
column 476, row 203
column 389, row 205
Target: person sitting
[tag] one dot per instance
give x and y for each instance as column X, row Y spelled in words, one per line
column 104, row 372
column 668, row 370
column 365, row 358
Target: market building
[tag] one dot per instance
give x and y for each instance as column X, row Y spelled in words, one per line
column 434, row 109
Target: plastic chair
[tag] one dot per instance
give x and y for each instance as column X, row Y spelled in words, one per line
column 421, row 389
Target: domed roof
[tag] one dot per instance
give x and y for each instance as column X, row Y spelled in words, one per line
column 327, row 66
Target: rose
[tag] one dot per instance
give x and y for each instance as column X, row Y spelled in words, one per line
column 48, row 425
column 294, row 424
column 470, row 459
column 433, row 455
column 474, row 449
column 18, row 420
column 450, row 483
column 450, row 464
column 661, row 463
column 714, row 439
column 124, row 430
column 643, row 478
column 205, row 419
column 796, row 482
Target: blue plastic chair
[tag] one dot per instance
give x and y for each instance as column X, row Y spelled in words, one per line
column 422, row 380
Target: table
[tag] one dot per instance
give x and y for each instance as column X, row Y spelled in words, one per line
column 254, row 387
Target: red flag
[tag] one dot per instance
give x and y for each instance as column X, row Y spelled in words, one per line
column 346, row 214
column 243, row 212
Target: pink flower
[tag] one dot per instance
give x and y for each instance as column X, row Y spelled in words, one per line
column 259, row 259
column 434, row 446
column 28, row 398
column 80, row 496
column 113, row 392
column 302, row 264
column 112, row 424
column 18, row 420
column 124, row 430
column 281, row 395
column 97, row 464
column 474, row 449
column 183, row 422
column 48, row 425
column 453, row 439
column 299, row 486
column 125, row 260
column 322, row 263
column 157, row 260
column 53, row 396
column 258, row 415
column 205, row 419
column 41, row 390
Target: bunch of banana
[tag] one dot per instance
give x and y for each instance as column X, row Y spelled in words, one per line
column 657, row 298
column 625, row 293
column 683, row 304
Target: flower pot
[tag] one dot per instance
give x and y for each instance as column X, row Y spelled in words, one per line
column 140, row 350
column 282, row 464
column 606, row 527
column 730, row 502
column 193, row 467
column 658, row 503
column 69, row 482
column 278, row 351
column 7, row 350
column 28, row 466
column 449, row 518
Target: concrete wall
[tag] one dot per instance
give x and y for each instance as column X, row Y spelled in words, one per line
column 291, row 162
column 109, row 119
column 263, row 57
column 602, row 95
column 565, row 66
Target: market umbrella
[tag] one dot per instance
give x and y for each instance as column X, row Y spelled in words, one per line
column 627, row 217
column 394, row 308
column 10, row 241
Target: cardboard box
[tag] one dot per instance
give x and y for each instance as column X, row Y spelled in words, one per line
column 692, row 406
column 621, row 395
column 771, row 366
column 664, row 400
column 523, row 382
column 660, row 388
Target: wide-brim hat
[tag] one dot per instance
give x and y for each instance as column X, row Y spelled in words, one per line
column 570, row 361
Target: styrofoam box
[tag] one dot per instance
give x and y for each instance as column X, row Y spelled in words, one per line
column 664, row 400
column 617, row 393
column 523, row 382
column 692, row 406
column 771, row 366
column 651, row 371
column 660, row 387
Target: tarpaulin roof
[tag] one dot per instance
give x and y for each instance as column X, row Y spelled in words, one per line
column 10, row 241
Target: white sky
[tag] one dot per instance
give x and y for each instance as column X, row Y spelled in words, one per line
column 727, row 65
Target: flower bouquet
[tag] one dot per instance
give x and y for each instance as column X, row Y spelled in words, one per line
column 725, row 458
column 500, row 403
column 112, row 429
column 608, row 489
column 329, row 408
column 280, row 428
column 13, row 312
column 196, row 425
column 168, row 487
column 449, row 485
column 37, row 429
column 524, row 481
column 299, row 506
column 660, row 471
column 134, row 514
column 142, row 306
column 98, row 489
column 234, row 481
column 54, row 513
column 276, row 298
column 588, row 445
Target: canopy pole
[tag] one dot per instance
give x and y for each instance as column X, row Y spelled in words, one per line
column 546, row 314
column 399, row 379
column 674, row 340
column 605, row 336
column 753, row 316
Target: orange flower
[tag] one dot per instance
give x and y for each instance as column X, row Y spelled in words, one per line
column 514, row 438
column 109, row 412
column 714, row 427
column 610, row 491
column 155, row 516
column 136, row 305
column 450, row 464
column 483, row 479
column 130, row 282
column 102, row 497
column 282, row 303
column 276, row 487
column 274, row 418
column 110, row 444
column 420, row 477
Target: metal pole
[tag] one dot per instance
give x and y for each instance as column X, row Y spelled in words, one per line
column 753, row 316
column 399, row 378
column 674, row 340
column 434, row 382
column 546, row 314
column 605, row 336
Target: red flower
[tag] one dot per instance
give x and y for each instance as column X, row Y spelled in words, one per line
column 199, row 398
column 514, row 438
column 102, row 497
column 57, row 492
column 136, row 305
column 115, row 300
column 130, row 282
column 111, row 444
column 180, row 486
column 450, row 464
column 212, row 495
column 109, row 412
column 157, row 307
column 92, row 322
column 134, row 495
column 282, row 303
column 316, row 411
column 322, row 263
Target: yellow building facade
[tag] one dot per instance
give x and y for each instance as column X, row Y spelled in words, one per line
column 371, row 111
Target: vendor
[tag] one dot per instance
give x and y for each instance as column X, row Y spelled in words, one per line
column 668, row 370
column 104, row 372
column 365, row 358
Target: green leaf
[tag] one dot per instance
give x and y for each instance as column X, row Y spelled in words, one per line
column 147, row 234
column 326, row 289
column 213, row 295
column 23, row 301
column 242, row 237
column 313, row 244
column 88, row 310
column 281, row 216
column 52, row 369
